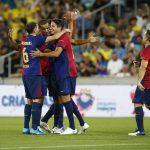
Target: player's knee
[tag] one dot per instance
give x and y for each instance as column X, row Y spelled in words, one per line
column 147, row 106
column 65, row 98
column 38, row 100
column 29, row 101
column 137, row 105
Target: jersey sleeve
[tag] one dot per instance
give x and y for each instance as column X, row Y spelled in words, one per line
column 41, row 40
column 145, row 54
column 62, row 43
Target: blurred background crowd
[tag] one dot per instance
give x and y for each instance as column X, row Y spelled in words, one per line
column 119, row 26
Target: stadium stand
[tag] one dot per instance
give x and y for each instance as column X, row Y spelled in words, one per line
column 119, row 28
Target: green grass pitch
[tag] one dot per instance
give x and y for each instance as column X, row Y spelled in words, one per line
column 103, row 134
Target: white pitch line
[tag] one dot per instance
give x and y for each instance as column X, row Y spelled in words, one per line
column 72, row 146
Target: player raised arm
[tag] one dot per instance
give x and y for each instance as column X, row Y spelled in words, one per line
column 57, row 35
column 12, row 42
column 91, row 39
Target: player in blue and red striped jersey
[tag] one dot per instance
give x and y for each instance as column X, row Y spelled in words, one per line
column 32, row 74
column 57, row 23
column 142, row 95
column 46, row 71
column 44, row 120
column 65, row 73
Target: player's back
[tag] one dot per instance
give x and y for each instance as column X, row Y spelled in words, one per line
column 31, row 65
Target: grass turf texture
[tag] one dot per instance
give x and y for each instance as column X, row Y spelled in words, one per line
column 103, row 134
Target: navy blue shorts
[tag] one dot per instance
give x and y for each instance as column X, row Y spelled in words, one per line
column 34, row 86
column 45, row 84
column 145, row 97
column 66, row 86
column 137, row 96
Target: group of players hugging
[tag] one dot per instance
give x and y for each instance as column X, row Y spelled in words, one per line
column 48, row 65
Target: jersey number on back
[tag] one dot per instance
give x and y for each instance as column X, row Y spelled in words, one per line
column 25, row 56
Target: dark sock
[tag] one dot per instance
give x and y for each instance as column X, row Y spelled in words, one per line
column 69, row 111
column 36, row 114
column 60, row 120
column 139, row 114
column 27, row 115
column 49, row 114
column 57, row 110
column 77, row 113
column 40, row 113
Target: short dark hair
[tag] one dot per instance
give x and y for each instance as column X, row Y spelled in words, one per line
column 30, row 27
column 58, row 22
column 43, row 22
column 148, row 35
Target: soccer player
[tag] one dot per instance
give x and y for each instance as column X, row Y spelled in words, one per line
column 46, row 65
column 45, row 119
column 65, row 72
column 32, row 75
column 142, row 94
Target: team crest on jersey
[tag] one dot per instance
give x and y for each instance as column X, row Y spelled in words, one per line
column 84, row 99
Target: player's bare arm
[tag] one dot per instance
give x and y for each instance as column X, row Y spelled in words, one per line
column 12, row 42
column 55, row 53
column 57, row 35
column 71, row 17
column 91, row 39
column 142, row 70
column 84, row 41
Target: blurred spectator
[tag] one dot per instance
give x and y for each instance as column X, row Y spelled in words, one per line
column 2, row 61
column 120, row 38
column 139, row 16
column 101, row 65
column 121, row 51
column 115, row 65
column 106, row 51
column 124, row 72
column 86, row 67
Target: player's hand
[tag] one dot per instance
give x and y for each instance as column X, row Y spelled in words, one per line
column 92, row 38
column 10, row 32
column 36, row 53
column 141, row 87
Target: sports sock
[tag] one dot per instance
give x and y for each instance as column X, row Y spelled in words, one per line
column 69, row 111
column 40, row 113
column 57, row 110
column 27, row 115
column 77, row 113
column 49, row 114
column 60, row 120
column 36, row 114
column 139, row 114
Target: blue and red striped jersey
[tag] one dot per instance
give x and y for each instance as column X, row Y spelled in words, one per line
column 31, row 65
column 64, row 66
column 145, row 54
